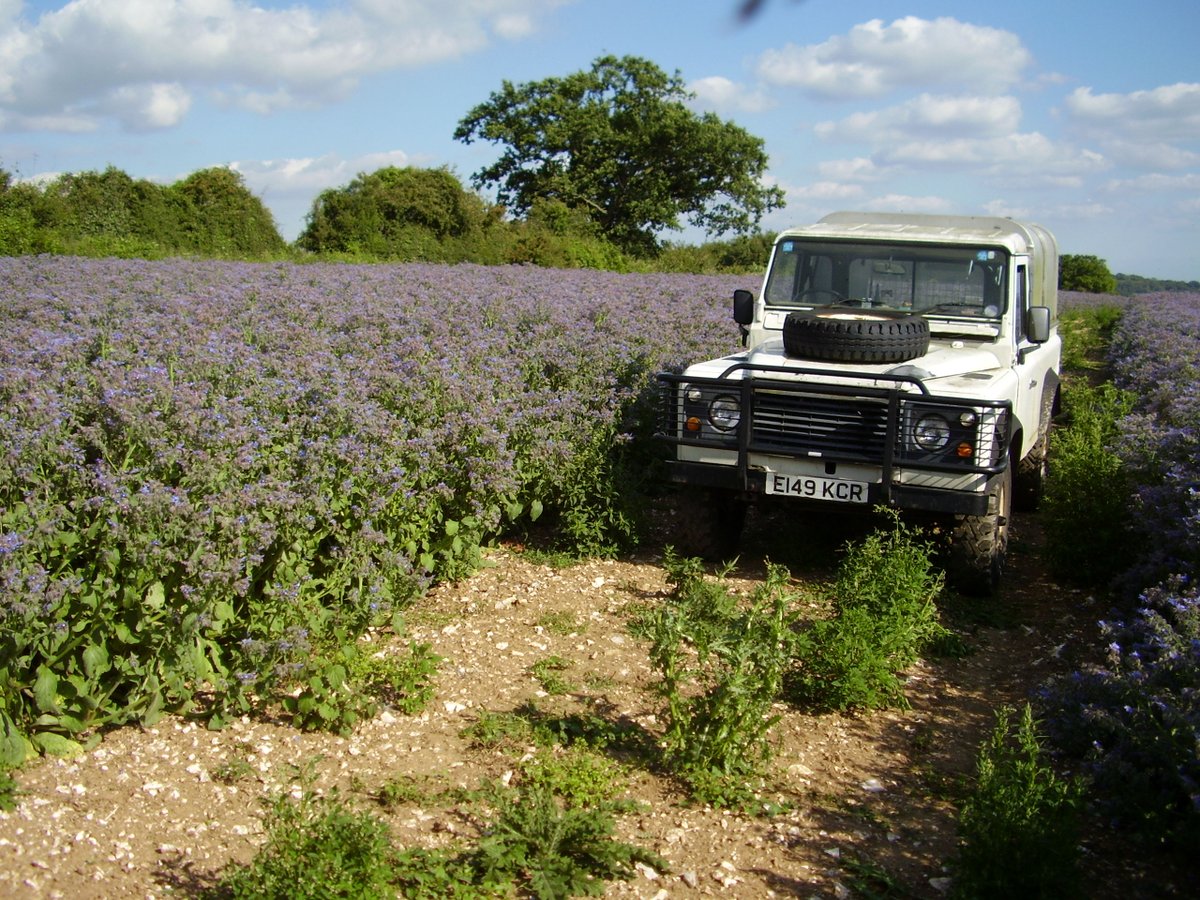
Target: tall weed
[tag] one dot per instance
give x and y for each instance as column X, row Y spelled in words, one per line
column 721, row 668
column 1019, row 828
column 884, row 616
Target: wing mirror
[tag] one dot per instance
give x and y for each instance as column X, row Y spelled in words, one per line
column 743, row 307
column 1037, row 327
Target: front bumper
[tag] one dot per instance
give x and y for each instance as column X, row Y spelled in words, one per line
column 751, row 485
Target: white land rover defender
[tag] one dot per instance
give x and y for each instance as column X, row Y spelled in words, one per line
column 904, row 360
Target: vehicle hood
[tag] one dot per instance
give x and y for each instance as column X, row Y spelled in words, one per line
column 945, row 360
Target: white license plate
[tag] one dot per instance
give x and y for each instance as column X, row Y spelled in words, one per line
column 817, row 488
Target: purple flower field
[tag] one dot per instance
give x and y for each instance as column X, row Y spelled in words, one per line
column 1156, row 356
column 210, row 471
column 1133, row 723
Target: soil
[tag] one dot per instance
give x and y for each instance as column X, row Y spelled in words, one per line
column 871, row 798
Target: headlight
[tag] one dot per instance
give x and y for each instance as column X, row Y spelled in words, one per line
column 932, row 432
column 725, row 413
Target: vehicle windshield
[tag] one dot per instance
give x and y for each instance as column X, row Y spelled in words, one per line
column 929, row 279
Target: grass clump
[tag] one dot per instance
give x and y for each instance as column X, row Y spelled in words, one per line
column 1018, row 830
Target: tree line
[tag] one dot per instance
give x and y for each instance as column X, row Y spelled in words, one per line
column 595, row 168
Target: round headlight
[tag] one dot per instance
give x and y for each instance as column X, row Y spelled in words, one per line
column 932, row 432
column 725, row 413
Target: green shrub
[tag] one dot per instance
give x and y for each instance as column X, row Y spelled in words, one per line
column 1018, row 830
column 1086, row 510
column 884, row 617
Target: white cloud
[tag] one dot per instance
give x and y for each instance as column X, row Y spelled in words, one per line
column 1029, row 153
column 1150, row 155
column 907, row 203
column 925, row 116
column 148, row 107
column 92, row 58
column 1156, row 183
column 874, row 59
column 311, row 175
column 724, row 95
column 860, row 168
column 1164, row 113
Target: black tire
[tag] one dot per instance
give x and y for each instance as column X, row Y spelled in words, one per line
column 709, row 524
column 979, row 544
column 868, row 336
column 1030, row 481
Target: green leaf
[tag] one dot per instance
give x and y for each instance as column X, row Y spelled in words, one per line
column 451, row 528
column 45, row 691
column 535, row 510
column 15, row 747
column 95, row 660
column 335, row 675
column 156, row 596
column 55, row 744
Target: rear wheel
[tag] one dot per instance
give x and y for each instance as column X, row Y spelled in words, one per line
column 979, row 544
column 709, row 523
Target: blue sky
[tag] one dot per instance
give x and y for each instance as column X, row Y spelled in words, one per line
column 1083, row 117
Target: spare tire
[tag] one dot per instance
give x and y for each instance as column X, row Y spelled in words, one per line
column 868, row 336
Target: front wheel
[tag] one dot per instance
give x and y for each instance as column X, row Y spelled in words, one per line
column 709, row 524
column 979, row 544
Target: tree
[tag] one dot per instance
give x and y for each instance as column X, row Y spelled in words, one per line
column 392, row 211
column 1085, row 273
column 619, row 144
column 222, row 216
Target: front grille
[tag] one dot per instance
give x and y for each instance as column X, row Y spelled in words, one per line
column 811, row 425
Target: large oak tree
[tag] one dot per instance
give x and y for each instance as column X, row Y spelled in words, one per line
column 620, row 144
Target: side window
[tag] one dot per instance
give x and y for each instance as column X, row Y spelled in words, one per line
column 1022, row 301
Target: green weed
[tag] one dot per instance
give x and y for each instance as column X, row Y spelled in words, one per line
column 721, row 669
column 405, row 681
column 315, row 848
column 579, row 776
column 1086, row 510
column 549, row 849
column 562, row 622
column 884, row 617
column 9, row 790
column 1018, row 829
column 548, row 673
